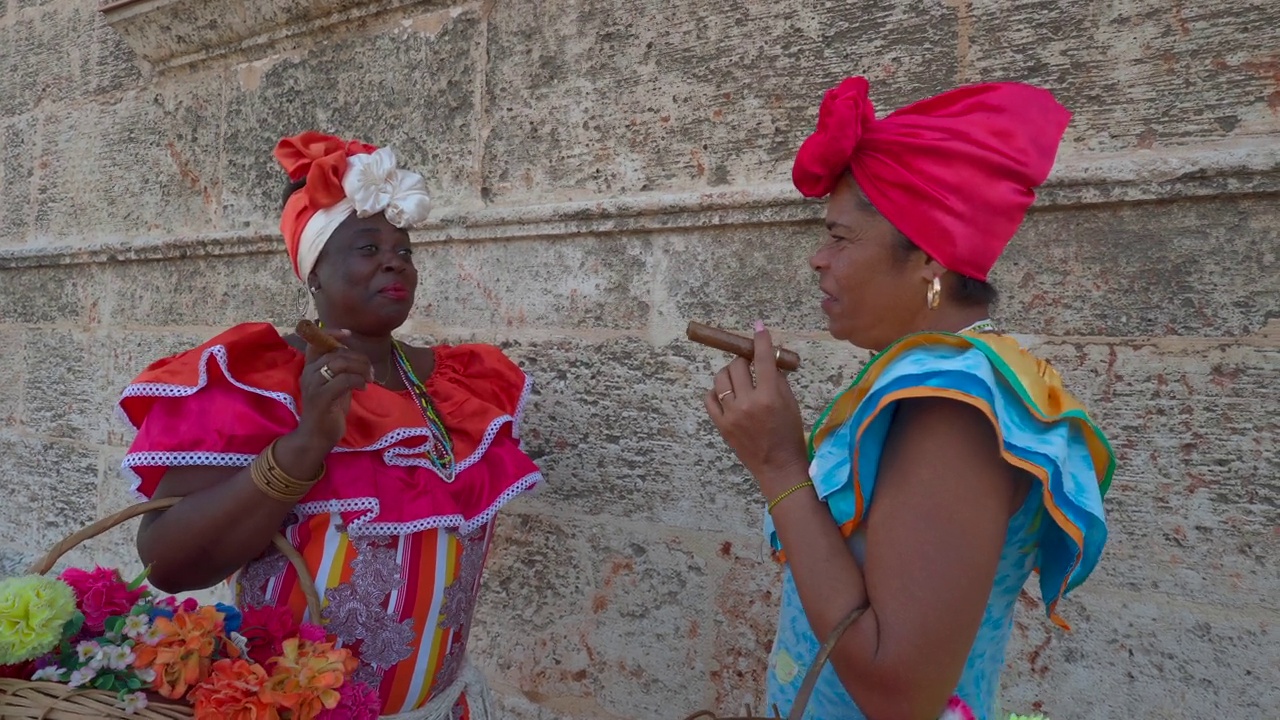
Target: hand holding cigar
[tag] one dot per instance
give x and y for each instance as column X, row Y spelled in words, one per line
column 739, row 345
column 316, row 337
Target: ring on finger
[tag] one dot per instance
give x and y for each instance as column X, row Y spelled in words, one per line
column 723, row 395
column 326, row 372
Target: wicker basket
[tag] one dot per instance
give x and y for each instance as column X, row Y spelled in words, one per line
column 30, row 700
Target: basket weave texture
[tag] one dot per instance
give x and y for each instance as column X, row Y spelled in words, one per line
column 34, row 700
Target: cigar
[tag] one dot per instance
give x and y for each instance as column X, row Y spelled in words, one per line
column 316, row 337
column 787, row 360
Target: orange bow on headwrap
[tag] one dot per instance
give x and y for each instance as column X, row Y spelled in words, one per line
column 955, row 173
column 322, row 160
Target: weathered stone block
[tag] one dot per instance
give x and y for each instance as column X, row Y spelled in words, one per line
column 1195, row 268
column 50, row 490
column 411, row 88
column 129, row 354
column 148, row 165
column 1126, row 69
column 612, row 99
column 13, row 375
column 60, row 294
column 46, row 56
column 597, row 283
column 574, row 612
column 1137, row 656
column 115, row 66
column 212, row 292
column 17, row 168
column 67, row 376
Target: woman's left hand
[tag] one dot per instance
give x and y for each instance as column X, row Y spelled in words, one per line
column 760, row 420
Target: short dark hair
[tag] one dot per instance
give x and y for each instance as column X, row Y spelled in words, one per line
column 968, row 291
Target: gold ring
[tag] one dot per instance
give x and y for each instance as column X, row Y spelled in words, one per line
column 326, row 372
column 722, row 395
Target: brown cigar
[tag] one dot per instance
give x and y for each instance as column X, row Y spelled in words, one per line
column 317, row 338
column 787, row 360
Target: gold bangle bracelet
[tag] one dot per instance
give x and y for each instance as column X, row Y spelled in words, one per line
column 788, row 491
column 276, row 483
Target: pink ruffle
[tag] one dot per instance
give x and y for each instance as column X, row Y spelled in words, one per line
column 387, row 488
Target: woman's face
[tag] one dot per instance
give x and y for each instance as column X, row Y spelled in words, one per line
column 365, row 277
column 873, row 292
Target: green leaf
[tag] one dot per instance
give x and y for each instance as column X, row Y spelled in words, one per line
column 73, row 626
column 137, row 582
column 103, row 682
column 133, row 684
column 114, row 625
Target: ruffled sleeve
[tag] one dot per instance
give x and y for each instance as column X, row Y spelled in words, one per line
column 222, row 403
column 1043, row 430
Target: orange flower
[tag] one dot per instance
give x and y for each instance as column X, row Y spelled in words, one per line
column 182, row 655
column 306, row 677
column 233, row 691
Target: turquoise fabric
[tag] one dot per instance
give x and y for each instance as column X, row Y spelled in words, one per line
column 1034, row 538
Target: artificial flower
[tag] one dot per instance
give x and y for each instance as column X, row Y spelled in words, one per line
column 52, row 673
column 34, row 612
column 957, row 709
column 356, row 701
column 87, row 650
column 82, row 676
column 117, row 657
column 306, row 676
column 264, row 630
column 311, row 633
column 231, row 617
column 133, row 702
column 101, row 593
column 167, row 606
column 184, row 652
column 233, row 692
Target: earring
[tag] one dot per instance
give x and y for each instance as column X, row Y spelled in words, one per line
column 933, row 298
column 303, row 302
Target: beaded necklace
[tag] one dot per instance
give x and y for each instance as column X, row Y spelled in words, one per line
column 440, row 448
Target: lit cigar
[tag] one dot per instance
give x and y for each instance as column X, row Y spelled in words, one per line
column 738, row 345
column 316, row 337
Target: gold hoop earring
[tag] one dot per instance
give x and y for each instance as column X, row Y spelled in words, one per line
column 933, row 298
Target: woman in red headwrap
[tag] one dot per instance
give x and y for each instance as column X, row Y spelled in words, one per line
column 956, row 462
column 383, row 463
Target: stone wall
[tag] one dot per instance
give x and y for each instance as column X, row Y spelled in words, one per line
column 605, row 172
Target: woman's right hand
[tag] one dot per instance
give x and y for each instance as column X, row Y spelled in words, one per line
column 325, row 401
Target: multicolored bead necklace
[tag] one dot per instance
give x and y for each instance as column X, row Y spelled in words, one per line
column 440, row 449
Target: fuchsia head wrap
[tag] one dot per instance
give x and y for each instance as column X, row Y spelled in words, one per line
column 955, row 173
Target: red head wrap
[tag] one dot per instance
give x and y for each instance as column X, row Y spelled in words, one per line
column 955, row 173
column 322, row 160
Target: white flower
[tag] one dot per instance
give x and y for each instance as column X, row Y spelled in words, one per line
column 48, row 674
column 146, row 675
column 370, row 181
column 136, row 625
column 87, row 650
column 117, row 657
column 152, row 636
column 82, row 676
column 409, row 204
column 133, row 702
column 239, row 641
column 375, row 185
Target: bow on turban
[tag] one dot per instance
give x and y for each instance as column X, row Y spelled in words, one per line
column 343, row 177
column 955, row 173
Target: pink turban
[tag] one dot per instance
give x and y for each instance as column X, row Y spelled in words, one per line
column 955, row 173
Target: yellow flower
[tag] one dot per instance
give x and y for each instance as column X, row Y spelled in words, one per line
column 33, row 612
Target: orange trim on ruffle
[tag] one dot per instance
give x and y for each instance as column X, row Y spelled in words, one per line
column 471, row 385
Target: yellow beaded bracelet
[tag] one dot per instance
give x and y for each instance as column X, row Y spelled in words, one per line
column 788, row 491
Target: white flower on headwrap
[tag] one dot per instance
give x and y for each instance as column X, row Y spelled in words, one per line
column 375, row 185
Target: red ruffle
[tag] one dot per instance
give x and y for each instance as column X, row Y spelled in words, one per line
column 222, row 403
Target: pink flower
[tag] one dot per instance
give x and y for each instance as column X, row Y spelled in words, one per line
column 170, row 602
column 100, row 594
column 957, row 709
column 266, row 629
column 357, row 702
column 311, row 633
